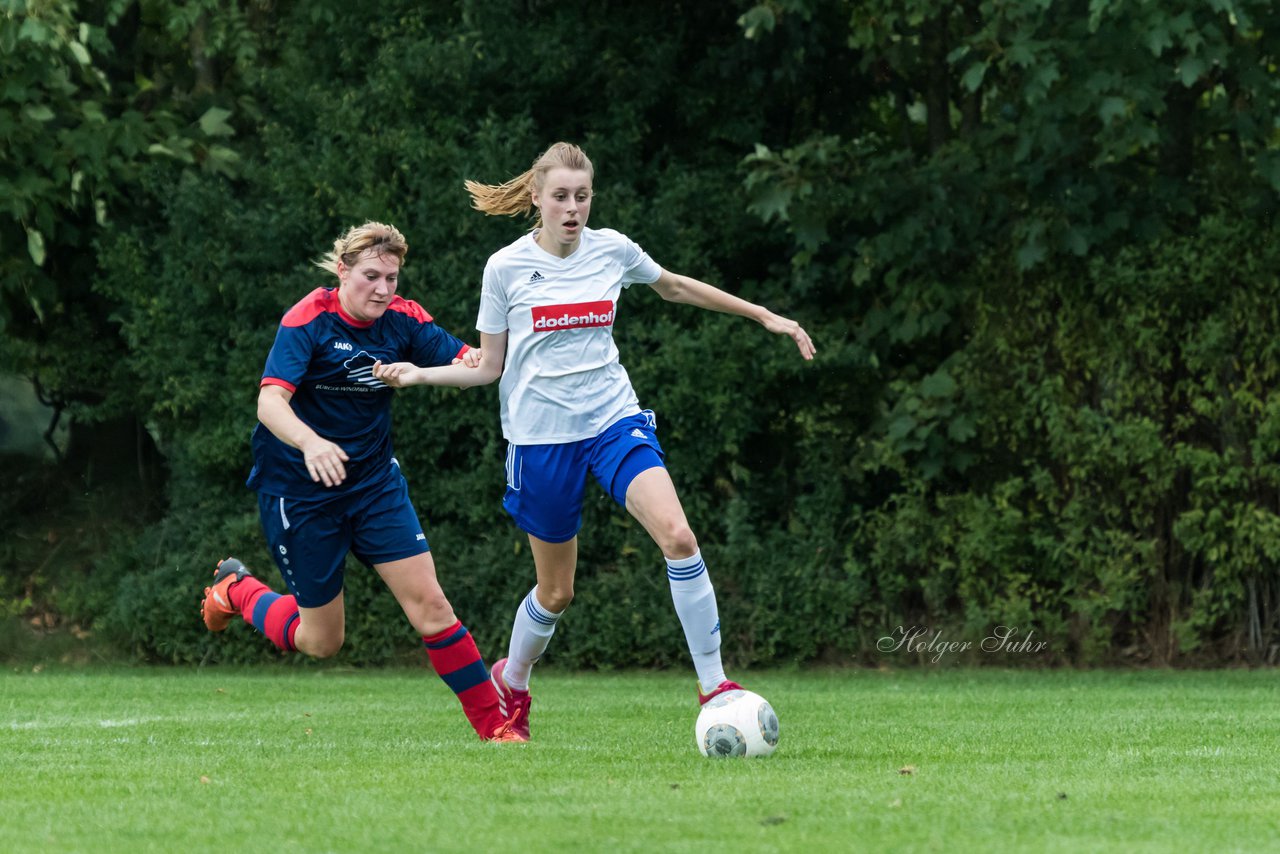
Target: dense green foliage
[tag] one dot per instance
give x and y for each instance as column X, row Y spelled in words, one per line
column 118, row 760
column 1032, row 240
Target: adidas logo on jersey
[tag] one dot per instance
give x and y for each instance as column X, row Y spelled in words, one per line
column 636, row 432
column 536, row 277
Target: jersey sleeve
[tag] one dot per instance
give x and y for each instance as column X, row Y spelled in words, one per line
column 431, row 346
column 637, row 266
column 289, row 358
column 492, row 318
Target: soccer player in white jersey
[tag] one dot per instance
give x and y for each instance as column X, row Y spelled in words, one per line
column 547, row 307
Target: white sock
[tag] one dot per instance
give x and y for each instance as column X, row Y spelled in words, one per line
column 530, row 635
column 695, row 601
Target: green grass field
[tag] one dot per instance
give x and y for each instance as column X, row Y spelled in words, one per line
column 311, row 759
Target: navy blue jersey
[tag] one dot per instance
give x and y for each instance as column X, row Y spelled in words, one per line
column 325, row 358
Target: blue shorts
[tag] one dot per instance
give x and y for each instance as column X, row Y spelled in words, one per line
column 310, row 539
column 545, row 483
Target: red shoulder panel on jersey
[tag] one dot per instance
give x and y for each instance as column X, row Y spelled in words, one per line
column 411, row 308
column 310, row 307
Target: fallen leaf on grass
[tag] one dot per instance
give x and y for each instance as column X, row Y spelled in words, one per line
column 907, row 770
column 204, row 779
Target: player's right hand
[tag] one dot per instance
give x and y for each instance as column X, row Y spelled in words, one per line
column 394, row 374
column 324, row 461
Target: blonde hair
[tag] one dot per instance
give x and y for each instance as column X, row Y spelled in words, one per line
column 348, row 248
column 514, row 197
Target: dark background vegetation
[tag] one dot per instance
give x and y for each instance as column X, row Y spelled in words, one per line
column 1033, row 241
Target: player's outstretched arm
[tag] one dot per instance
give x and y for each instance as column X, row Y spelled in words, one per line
column 682, row 289
column 493, row 349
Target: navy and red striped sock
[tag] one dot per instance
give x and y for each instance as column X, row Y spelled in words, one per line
column 271, row 613
column 457, row 661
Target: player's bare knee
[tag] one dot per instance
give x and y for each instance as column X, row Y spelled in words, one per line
column 555, row 599
column 439, row 608
column 435, row 614
column 328, row 650
column 679, row 542
column 324, row 647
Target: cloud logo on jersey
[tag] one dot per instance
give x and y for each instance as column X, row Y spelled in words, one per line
column 577, row 315
column 360, row 370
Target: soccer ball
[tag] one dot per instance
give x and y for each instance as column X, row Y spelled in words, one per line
column 737, row 723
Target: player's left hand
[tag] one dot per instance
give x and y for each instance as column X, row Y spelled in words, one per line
column 794, row 331
column 471, row 358
column 395, row 374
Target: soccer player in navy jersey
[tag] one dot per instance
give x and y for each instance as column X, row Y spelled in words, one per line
column 328, row 482
column 547, row 306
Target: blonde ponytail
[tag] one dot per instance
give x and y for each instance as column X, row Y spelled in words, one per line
column 510, row 199
column 515, row 197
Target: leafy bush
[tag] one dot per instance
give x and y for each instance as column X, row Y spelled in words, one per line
column 1038, row 265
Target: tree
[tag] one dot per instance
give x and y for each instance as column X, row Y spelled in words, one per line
column 1010, row 155
column 92, row 93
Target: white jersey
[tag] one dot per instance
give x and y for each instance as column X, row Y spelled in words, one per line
column 562, row 381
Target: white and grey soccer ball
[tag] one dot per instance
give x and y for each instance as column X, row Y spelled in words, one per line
column 737, row 723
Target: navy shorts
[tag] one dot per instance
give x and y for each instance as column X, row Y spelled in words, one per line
column 545, row 483
column 310, row 539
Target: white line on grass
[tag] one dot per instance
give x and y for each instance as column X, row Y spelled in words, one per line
column 108, row 723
